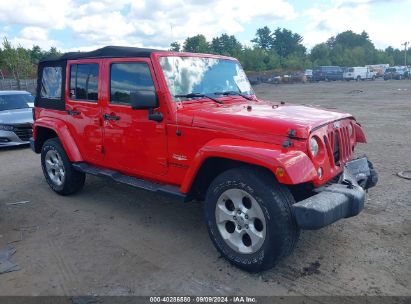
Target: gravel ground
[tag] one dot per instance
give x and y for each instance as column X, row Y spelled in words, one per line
column 112, row 239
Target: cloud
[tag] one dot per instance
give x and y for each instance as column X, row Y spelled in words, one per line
column 50, row 14
column 354, row 3
column 161, row 22
column 90, row 24
column 356, row 16
column 102, row 27
column 158, row 23
column 32, row 35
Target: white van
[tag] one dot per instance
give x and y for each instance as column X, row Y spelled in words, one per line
column 358, row 73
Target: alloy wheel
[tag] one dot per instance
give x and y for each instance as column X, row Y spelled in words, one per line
column 55, row 167
column 240, row 221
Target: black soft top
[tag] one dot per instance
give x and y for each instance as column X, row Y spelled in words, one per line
column 105, row 52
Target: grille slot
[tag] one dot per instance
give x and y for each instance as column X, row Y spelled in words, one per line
column 339, row 145
column 24, row 132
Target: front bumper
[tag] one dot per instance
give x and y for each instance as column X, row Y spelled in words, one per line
column 339, row 200
column 10, row 139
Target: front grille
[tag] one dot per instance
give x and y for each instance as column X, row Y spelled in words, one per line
column 24, row 132
column 340, row 145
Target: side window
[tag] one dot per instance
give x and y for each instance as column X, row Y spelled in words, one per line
column 51, row 81
column 128, row 78
column 84, row 82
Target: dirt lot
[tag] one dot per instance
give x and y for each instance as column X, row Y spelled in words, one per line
column 111, row 239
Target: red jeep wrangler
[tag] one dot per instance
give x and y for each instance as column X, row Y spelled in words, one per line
column 190, row 126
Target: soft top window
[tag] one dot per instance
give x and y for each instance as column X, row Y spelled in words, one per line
column 51, row 79
column 51, row 83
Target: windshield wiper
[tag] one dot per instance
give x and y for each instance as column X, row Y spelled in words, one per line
column 194, row 95
column 234, row 93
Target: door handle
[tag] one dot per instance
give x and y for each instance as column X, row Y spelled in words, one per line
column 110, row 117
column 73, row 112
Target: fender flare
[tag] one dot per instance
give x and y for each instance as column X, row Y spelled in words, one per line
column 63, row 133
column 297, row 166
column 359, row 134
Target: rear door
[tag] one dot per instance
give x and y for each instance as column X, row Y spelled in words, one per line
column 83, row 106
column 132, row 143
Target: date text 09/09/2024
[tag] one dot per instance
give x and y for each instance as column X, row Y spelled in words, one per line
column 203, row 299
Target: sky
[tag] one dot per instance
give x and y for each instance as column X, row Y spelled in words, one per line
column 80, row 25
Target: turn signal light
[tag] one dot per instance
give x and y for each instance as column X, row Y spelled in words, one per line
column 280, row 172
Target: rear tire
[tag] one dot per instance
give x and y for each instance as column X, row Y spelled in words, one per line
column 249, row 218
column 58, row 170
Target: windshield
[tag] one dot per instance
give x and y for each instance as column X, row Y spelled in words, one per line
column 186, row 75
column 15, row 101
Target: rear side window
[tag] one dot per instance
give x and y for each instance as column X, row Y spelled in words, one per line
column 84, row 82
column 51, row 81
column 128, row 78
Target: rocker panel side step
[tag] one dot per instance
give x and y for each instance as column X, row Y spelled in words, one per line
column 171, row 191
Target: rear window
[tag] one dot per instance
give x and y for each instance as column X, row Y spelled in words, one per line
column 350, row 70
column 51, row 83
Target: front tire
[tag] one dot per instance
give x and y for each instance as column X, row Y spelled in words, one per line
column 57, row 169
column 249, row 218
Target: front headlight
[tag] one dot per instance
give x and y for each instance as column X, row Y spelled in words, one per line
column 314, row 146
column 6, row 127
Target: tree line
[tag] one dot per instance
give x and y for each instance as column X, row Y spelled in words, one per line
column 18, row 62
column 281, row 49
column 278, row 49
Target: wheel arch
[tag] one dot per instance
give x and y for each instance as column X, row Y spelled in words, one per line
column 46, row 128
column 220, row 155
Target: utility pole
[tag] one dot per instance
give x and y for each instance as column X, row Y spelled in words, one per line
column 405, row 51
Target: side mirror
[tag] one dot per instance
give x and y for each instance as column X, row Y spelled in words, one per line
column 143, row 100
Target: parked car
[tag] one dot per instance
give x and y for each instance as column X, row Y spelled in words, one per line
column 327, row 73
column 190, row 126
column 16, row 118
column 397, row 73
column 378, row 69
column 308, row 75
column 358, row 73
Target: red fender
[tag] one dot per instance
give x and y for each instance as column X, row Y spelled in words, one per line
column 63, row 133
column 297, row 166
column 359, row 134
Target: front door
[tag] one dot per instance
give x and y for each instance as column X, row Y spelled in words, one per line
column 83, row 106
column 132, row 143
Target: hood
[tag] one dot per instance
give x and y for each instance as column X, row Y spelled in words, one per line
column 16, row 116
column 263, row 117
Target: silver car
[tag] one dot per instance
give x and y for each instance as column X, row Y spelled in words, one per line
column 16, row 118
